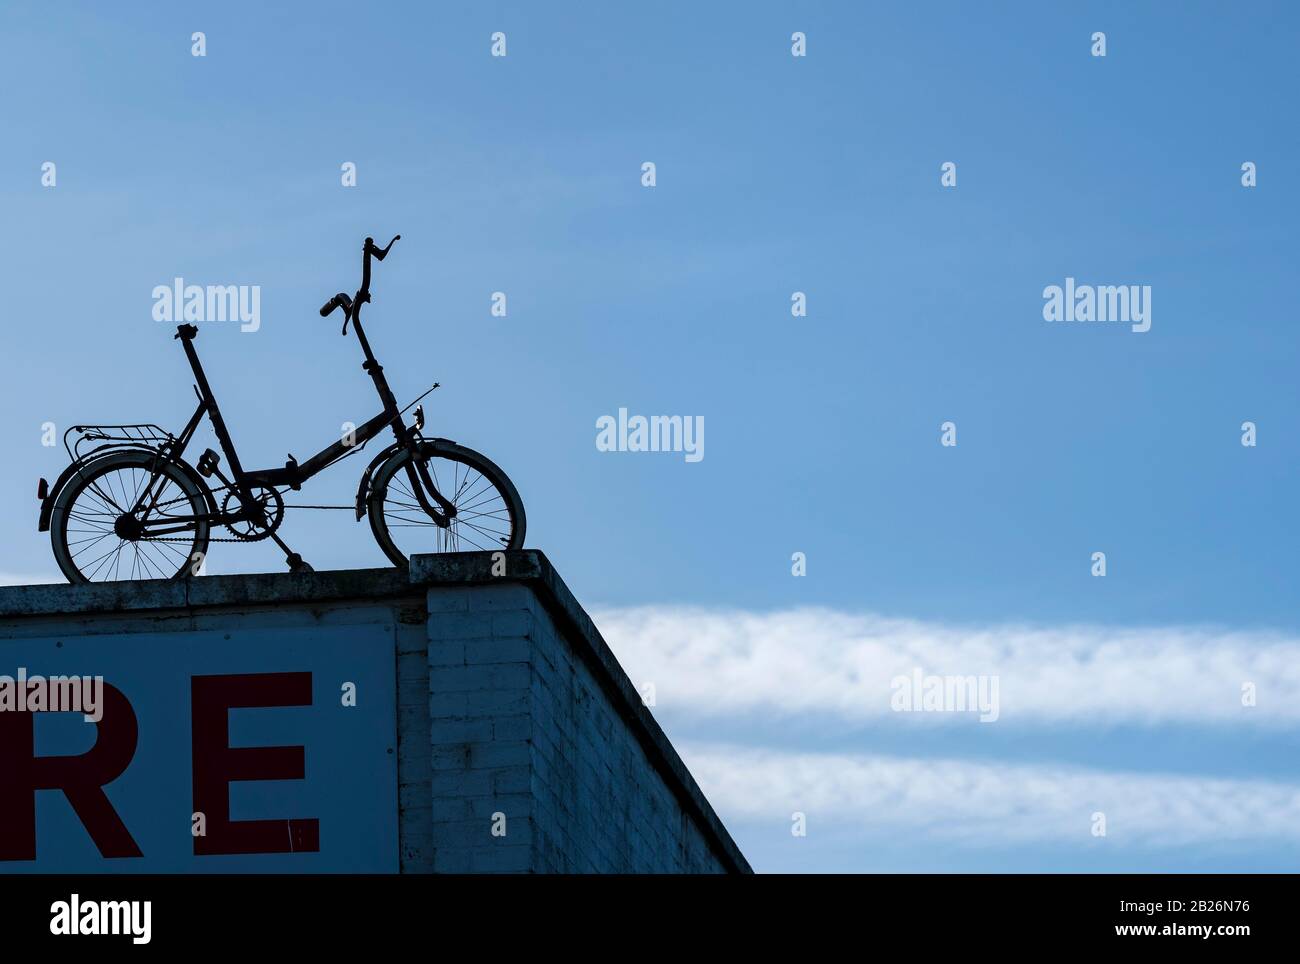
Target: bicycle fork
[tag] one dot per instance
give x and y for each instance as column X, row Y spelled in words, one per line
column 418, row 476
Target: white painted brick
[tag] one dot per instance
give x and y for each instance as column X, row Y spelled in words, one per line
column 450, row 599
column 505, row 650
column 460, row 626
column 507, row 595
column 519, row 725
column 514, row 622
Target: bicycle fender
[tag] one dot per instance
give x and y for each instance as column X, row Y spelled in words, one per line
column 47, row 504
column 363, row 488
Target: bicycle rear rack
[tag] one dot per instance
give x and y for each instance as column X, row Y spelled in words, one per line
column 99, row 438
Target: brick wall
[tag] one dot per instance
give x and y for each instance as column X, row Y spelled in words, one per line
column 524, row 726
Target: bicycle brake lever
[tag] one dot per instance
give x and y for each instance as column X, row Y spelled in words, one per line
column 382, row 253
column 354, row 308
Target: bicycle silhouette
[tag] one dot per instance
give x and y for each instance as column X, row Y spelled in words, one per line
column 130, row 507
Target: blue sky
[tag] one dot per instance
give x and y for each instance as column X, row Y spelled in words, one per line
column 775, row 174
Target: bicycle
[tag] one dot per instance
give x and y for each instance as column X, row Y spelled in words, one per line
column 130, row 507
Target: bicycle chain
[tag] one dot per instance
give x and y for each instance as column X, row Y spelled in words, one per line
column 212, row 538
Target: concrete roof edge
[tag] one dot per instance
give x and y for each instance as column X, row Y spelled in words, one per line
column 245, row 589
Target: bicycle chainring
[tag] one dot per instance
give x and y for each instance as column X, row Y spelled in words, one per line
column 272, row 505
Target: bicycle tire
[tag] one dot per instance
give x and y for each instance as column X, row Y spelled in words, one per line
column 172, row 561
column 462, row 535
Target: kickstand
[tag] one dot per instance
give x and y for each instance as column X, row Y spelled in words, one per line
column 295, row 561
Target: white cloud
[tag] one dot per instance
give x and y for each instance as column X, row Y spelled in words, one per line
column 716, row 662
column 990, row 804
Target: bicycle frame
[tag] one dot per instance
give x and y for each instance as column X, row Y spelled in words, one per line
column 292, row 474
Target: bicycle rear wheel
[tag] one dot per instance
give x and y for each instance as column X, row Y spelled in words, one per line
column 92, row 525
column 489, row 513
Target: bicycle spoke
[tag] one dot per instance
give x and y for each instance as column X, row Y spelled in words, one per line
column 99, row 538
column 144, row 554
column 485, row 532
column 117, row 548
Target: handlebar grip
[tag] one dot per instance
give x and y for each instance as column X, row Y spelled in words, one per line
column 328, row 308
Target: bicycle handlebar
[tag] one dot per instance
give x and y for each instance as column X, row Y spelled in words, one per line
column 352, row 306
column 370, row 249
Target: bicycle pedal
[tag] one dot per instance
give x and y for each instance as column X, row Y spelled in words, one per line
column 208, row 463
column 297, row 563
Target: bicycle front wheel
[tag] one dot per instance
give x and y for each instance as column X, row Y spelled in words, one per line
column 489, row 513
